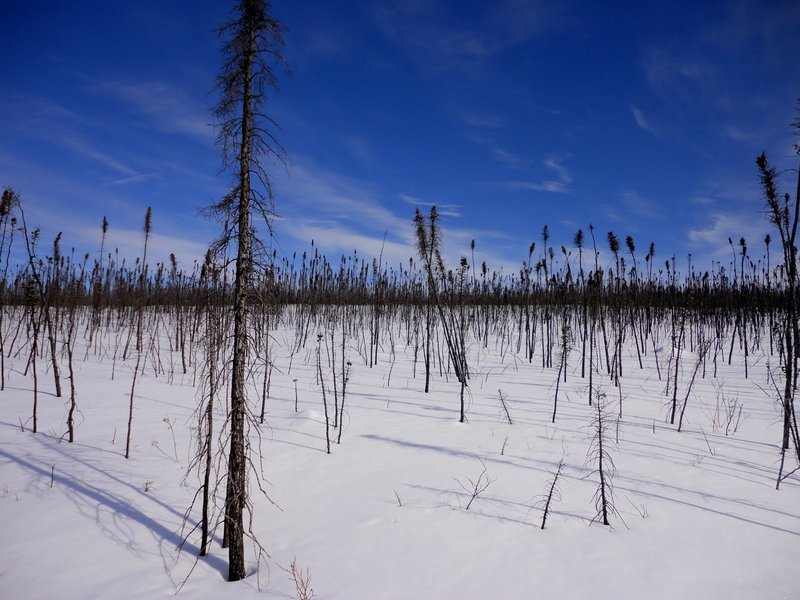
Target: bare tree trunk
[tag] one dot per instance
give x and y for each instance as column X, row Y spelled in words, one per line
column 428, row 317
column 34, row 351
column 236, row 499
column 237, row 468
column 213, row 345
column 72, row 392
column 139, row 329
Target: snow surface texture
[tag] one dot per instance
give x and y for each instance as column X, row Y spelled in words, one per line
column 384, row 515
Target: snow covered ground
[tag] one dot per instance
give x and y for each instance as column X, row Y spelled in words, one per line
column 384, row 515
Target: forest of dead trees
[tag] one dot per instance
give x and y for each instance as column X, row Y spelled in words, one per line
column 546, row 311
column 559, row 309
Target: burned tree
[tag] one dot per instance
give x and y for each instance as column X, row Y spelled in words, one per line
column 253, row 41
column 429, row 239
column 783, row 213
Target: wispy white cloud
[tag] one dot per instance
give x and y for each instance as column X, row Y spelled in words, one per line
column 335, row 239
column 133, row 179
column 129, row 244
column 739, row 134
column 506, row 158
column 51, row 122
column 431, row 32
column 52, row 214
column 641, row 121
column 637, row 205
column 310, row 188
column 38, row 109
column 634, row 212
column 710, row 75
column 483, row 121
column 325, row 43
column 711, row 241
column 84, row 148
column 554, row 187
column 772, row 26
column 342, row 214
column 338, row 238
column 169, row 108
column 447, row 210
column 557, row 186
column 361, row 150
column 675, row 77
column 554, row 164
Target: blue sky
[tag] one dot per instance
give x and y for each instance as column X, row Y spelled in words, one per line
column 639, row 117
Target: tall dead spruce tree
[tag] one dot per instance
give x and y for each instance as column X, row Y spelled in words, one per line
column 429, row 239
column 253, row 41
column 784, row 213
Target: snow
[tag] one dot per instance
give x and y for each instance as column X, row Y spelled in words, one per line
column 383, row 516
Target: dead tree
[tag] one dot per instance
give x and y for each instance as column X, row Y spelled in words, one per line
column 429, row 239
column 600, row 456
column 140, row 301
column 43, row 296
column 552, row 493
column 785, row 219
column 475, row 488
column 562, row 363
column 7, row 226
column 253, row 41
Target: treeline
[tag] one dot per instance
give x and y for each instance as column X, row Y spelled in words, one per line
column 312, row 279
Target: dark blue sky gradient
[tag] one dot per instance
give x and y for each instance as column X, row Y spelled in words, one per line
column 639, row 117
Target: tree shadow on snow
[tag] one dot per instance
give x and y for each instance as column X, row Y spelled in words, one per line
column 90, row 498
column 503, row 460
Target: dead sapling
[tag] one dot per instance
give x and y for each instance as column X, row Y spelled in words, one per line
column 600, row 457
column 562, row 364
column 345, row 379
column 677, row 345
column 733, row 416
column 155, row 444
column 504, row 406
column 475, row 488
column 141, row 299
column 301, row 579
column 712, row 450
column 703, row 347
column 552, row 492
column 641, row 508
column 324, row 397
